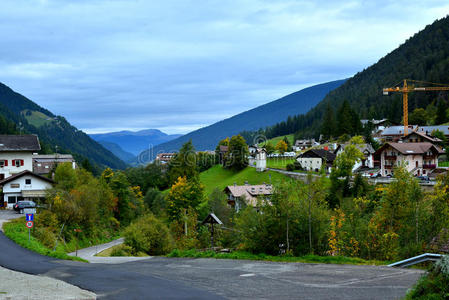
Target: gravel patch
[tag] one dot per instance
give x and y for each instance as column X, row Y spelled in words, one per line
column 16, row 285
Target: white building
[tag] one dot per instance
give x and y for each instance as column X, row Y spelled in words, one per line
column 46, row 163
column 314, row 159
column 24, row 186
column 418, row 158
column 368, row 156
column 258, row 158
column 16, row 153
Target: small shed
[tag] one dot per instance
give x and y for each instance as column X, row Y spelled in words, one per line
column 212, row 219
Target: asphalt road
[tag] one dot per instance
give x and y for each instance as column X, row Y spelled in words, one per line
column 173, row 278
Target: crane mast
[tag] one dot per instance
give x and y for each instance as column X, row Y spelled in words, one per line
column 406, row 89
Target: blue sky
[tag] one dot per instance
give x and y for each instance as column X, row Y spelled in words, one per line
column 180, row 65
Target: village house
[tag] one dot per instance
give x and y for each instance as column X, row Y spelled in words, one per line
column 419, row 137
column 368, row 152
column 258, row 158
column 314, row 159
column 419, row 158
column 428, row 130
column 394, row 133
column 247, row 194
column 16, row 153
column 164, row 158
column 304, row 144
column 45, row 163
column 24, row 185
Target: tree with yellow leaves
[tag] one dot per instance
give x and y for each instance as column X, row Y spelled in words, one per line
column 281, row 146
column 184, row 194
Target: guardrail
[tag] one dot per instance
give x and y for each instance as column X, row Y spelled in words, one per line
column 416, row 260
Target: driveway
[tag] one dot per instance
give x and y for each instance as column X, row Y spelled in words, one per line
column 6, row 215
column 183, row 278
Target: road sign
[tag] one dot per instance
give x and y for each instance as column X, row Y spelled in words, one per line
column 29, row 224
column 29, row 210
column 30, row 217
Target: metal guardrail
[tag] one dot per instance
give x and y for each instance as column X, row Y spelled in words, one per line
column 416, row 260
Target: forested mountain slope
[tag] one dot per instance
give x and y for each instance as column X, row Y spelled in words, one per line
column 424, row 57
column 18, row 111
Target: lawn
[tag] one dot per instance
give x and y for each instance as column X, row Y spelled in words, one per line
column 443, row 164
column 218, row 177
column 279, row 162
column 275, row 140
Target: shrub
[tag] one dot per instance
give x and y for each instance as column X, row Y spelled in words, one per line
column 122, row 250
column 45, row 236
column 148, row 234
column 290, row 167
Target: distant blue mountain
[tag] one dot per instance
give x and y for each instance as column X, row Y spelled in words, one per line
column 133, row 142
column 262, row 116
column 118, row 151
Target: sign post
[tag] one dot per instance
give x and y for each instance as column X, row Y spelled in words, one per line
column 29, row 224
column 78, row 231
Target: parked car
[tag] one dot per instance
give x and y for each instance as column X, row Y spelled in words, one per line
column 21, row 205
column 423, row 178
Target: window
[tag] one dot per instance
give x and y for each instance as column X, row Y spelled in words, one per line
column 28, row 181
column 2, row 163
column 17, row 162
column 15, row 185
column 12, row 199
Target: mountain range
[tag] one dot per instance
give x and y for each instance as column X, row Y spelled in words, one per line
column 262, row 116
column 128, row 144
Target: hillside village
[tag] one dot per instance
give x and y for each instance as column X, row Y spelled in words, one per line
column 352, row 171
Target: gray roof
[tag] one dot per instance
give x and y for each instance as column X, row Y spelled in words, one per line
column 428, row 129
column 53, row 156
column 375, row 122
column 328, row 156
column 23, row 173
column 398, row 130
column 28, row 142
column 362, row 147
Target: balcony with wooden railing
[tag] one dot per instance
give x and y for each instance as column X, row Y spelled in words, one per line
column 429, row 166
column 391, row 157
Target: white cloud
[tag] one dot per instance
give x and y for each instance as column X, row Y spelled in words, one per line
column 173, row 64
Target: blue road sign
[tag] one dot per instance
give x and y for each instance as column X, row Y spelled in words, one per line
column 30, row 217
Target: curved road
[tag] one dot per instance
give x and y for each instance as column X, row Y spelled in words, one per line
column 176, row 278
column 104, row 280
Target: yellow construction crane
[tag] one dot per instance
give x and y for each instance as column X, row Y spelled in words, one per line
column 405, row 89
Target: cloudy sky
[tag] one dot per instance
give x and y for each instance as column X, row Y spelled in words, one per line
column 178, row 65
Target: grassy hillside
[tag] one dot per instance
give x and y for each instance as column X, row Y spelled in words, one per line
column 218, row 177
column 275, row 140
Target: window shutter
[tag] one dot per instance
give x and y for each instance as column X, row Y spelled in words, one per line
column 6, row 162
column 21, row 162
